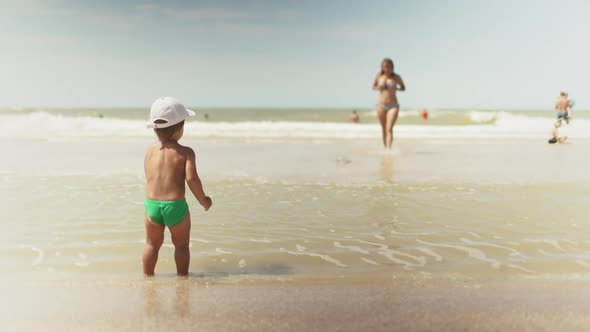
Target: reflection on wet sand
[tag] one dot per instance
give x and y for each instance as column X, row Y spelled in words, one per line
column 387, row 168
column 155, row 301
column 181, row 301
column 152, row 306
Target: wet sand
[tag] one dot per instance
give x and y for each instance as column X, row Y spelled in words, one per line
column 318, row 305
column 373, row 303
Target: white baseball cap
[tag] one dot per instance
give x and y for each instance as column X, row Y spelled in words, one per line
column 170, row 110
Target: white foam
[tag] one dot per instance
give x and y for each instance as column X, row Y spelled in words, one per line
column 389, row 254
column 518, row 267
column 351, row 248
column 552, row 242
column 221, row 251
column 429, row 252
column 487, row 244
column 326, row 258
column 40, row 256
column 366, row 260
column 472, row 252
column 43, row 125
column 484, row 117
column 260, row 240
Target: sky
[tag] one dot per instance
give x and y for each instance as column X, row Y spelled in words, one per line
column 470, row 54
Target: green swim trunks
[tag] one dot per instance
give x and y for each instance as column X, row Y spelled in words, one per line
column 168, row 213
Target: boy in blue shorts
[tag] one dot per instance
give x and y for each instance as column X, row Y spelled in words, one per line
column 167, row 166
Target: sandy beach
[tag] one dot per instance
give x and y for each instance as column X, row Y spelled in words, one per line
column 326, row 304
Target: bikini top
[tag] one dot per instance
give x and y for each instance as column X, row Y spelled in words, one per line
column 386, row 83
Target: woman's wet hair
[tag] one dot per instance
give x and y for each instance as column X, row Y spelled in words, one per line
column 388, row 60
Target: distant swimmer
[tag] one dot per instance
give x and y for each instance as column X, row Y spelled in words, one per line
column 354, row 117
column 100, row 116
column 554, row 137
column 424, row 114
column 206, row 116
column 563, row 107
column 387, row 82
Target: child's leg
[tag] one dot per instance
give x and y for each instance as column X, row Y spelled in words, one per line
column 153, row 241
column 181, row 235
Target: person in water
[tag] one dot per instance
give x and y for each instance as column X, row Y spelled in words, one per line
column 387, row 82
column 354, row 117
column 563, row 107
column 167, row 166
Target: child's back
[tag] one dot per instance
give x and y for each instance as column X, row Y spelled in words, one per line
column 165, row 173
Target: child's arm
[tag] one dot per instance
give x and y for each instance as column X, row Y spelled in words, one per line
column 193, row 181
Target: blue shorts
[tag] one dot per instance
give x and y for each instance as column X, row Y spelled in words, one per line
column 563, row 115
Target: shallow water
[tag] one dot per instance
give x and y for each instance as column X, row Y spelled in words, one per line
column 493, row 209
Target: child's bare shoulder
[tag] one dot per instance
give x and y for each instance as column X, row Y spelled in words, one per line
column 149, row 149
column 186, row 151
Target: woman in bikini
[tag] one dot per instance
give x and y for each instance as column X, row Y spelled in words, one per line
column 387, row 83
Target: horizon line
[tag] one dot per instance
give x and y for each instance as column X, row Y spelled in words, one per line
column 445, row 108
